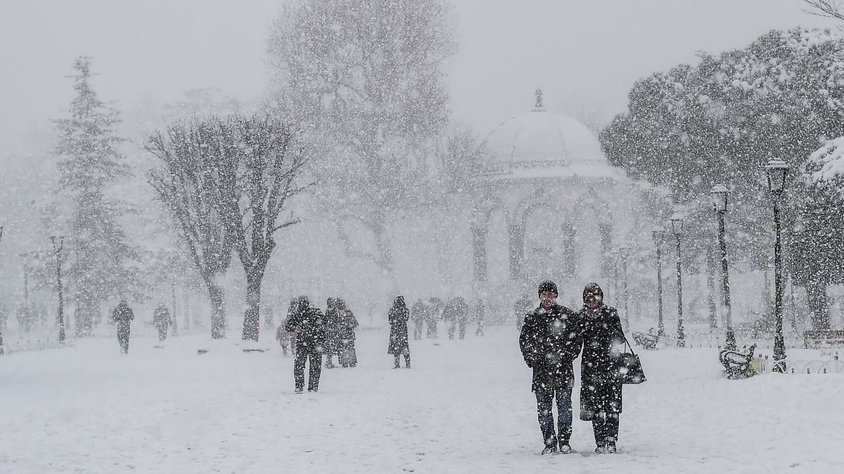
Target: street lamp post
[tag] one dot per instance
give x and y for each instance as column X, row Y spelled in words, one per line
column 719, row 205
column 777, row 171
column 658, row 235
column 677, row 230
column 58, row 251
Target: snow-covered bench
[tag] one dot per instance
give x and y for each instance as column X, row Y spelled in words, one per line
column 737, row 364
column 648, row 341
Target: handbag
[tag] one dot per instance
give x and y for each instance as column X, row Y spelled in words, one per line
column 628, row 367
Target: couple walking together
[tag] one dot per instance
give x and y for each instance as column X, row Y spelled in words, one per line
column 551, row 338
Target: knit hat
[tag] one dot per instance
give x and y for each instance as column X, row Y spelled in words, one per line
column 548, row 285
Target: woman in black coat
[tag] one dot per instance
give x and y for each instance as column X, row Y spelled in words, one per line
column 399, row 345
column 600, row 391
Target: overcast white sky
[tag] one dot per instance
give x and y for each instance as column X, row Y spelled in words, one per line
column 585, row 54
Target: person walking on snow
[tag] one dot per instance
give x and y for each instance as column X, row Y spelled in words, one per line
column 347, row 356
column 549, row 342
column 161, row 321
column 309, row 325
column 600, row 391
column 399, row 345
column 123, row 316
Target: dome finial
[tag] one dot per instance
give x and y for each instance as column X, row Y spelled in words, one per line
column 538, row 94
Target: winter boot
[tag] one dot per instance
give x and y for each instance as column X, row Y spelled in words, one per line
column 549, row 449
column 611, row 447
column 564, row 447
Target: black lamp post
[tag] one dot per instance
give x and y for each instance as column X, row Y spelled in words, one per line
column 719, row 195
column 677, row 230
column 658, row 235
column 777, row 171
column 58, row 250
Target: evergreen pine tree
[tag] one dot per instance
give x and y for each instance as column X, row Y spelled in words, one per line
column 89, row 162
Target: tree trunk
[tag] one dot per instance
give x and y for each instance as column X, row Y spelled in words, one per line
column 218, row 312
column 385, row 253
column 252, row 316
column 711, row 268
column 818, row 305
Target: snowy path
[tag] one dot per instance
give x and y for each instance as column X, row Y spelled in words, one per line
column 466, row 406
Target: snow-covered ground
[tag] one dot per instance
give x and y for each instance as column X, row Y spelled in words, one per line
column 465, row 406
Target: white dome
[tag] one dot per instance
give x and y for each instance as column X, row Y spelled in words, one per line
column 539, row 142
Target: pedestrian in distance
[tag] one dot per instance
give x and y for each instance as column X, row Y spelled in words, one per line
column 285, row 338
column 347, row 355
column 435, row 306
column 450, row 316
column 550, row 342
column 309, row 325
column 332, row 328
column 600, row 390
column 161, row 321
column 399, row 345
column 123, row 316
column 462, row 317
column 478, row 314
column 418, row 315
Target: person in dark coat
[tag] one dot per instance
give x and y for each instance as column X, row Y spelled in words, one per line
column 161, row 321
column 462, row 317
column 399, row 345
column 435, row 306
column 450, row 316
column 123, row 316
column 600, row 391
column 478, row 315
column 550, row 341
column 332, row 328
column 309, row 325
column 418, row 315
column 347, row 356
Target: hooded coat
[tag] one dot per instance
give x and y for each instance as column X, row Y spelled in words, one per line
column 398, row 316
column 601, row 330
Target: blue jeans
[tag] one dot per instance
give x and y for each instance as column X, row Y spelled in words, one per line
column 544, row 406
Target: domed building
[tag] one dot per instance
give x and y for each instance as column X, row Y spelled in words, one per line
column 550, row 197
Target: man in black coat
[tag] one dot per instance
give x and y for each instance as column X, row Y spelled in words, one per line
column 550, row 341
column 309, row 325
column 123, row 316
column 600, row 391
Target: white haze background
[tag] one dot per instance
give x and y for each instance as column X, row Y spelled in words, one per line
column 466, row 405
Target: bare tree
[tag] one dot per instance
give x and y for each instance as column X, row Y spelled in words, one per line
column 192, row 160
column 366, row 77
column 824, row 8
column 227, row 182
column 270, row 160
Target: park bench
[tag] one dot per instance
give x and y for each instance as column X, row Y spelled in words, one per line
column 646, row 340
column 737, row 364
column 824, row 338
